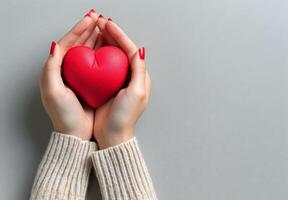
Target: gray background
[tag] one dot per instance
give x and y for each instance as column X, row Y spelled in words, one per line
column 216, row 126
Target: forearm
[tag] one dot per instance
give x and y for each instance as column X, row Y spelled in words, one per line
column 64, row 170
column 122, row 173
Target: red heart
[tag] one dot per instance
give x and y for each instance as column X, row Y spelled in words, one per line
column 95, row 75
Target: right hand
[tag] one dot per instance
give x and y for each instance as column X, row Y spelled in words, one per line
column 67, row 114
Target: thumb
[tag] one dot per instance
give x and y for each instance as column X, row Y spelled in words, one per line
column 138, row 71
column 51, row 75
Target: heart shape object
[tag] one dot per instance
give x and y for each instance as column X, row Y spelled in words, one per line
column 95, row 76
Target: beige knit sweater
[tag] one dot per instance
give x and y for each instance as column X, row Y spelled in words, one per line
column 64, row 171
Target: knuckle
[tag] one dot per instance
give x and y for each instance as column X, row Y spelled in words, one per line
column 139, row 94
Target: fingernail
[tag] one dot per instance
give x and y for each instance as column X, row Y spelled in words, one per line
column 142, row 53
column 92, row 11
column 87, row 15
column 109, row 19
column 100, row 16
column 53, row 45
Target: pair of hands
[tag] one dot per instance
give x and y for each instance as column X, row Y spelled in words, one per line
column 113, row 122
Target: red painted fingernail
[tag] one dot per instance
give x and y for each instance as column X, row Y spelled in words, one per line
column 92, row 11
column 87, row 15
column 100, row 16
column 53, row 45
column 109, row 19
column 142, row 53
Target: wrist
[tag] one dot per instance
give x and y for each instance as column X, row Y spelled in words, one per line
column 111, row 138
column 76, row 134
column 80, row 133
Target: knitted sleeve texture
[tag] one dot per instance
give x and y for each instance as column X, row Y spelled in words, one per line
column 122, row 173
column 64, row 171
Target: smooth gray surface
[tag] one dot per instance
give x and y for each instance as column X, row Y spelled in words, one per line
column 216, row 127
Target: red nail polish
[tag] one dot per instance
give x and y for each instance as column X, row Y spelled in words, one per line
column 53, row 45
column 109, row 19
column 87, row 15
column 100, row 16
column 92, row 11
column 142, row 53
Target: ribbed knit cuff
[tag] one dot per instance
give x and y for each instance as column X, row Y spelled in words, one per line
column 122, row 173
column 64, row 170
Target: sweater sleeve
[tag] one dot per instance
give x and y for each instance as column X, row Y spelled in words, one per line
column 122, row 173
column 64, row 170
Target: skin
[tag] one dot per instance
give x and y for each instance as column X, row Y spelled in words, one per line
column 113, row 122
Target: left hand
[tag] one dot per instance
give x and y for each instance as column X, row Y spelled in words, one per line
column 114, row 122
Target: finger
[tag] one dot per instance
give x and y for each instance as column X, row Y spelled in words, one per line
column 91, row 41
column 138, row 72
column 99, row 42
column 90, row 30
column 71, row 37
column 121, row 38
column 101, row 23
column 50, row 78
column 148, row 85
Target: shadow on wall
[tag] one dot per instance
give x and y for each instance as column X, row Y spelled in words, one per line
column 38, row 128
column 37, row 122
